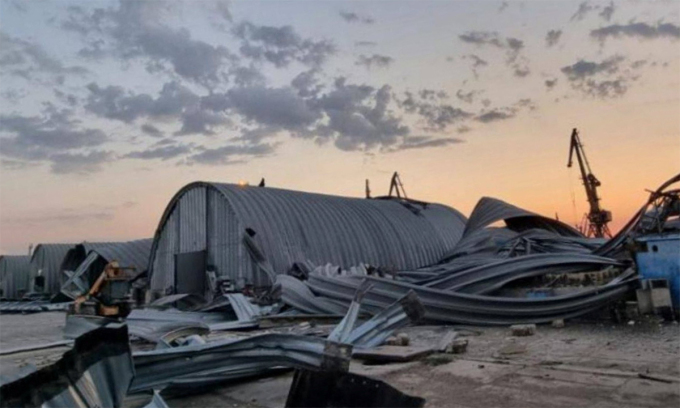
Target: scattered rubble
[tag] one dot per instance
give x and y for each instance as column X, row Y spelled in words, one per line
column 520, row 330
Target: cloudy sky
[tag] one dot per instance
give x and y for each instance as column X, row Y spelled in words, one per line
column 108, row 108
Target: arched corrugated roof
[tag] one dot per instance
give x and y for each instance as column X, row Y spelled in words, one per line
column 47, row 259
column 14, row 275
column 130, row 253
column 294, row 226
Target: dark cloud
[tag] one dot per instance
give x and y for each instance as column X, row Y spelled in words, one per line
column 27, row 59
column 151, row 130
column 505, row 113
column 608, row 11
column 351, row 17
column 582, row 12
column 553, row 37
column 162, row 152
column 375, row 60
column 477, row 63
column 520, row 70
column 281, row 45
column 230, row 154
column 504, row 5
column 80, row 163
column 306, row 83
column 550, row 83
column 278, row 107
column 468, row 97
column 51, row 138
column 135, row 30
column 463, row 129
column 437, row 115
column 605, row 79
column 495, row 115
column 174, row 102
column 512, row 46
column 365, row 44
column 583, row 69
column 638, row 30
column 423, row 142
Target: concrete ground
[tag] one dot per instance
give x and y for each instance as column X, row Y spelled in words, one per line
column 582, row 364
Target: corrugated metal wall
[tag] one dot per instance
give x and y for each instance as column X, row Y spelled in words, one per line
column 294, row 226
column 14, row 275
column 47, row 260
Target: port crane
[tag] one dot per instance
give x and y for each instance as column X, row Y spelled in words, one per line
column 594, row 223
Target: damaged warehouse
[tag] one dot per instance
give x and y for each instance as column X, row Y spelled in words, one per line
column 45, row 270
column 85, row 262
column 247, row 235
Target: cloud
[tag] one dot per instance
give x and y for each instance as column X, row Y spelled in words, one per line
column 520, row 70
column 550, row 83
column 163, row 152
column 467, row 97
column 608, row 11
column 505, row 113
column 582, row 12
column 351, row 17
column 230, row 154
column 642, row 31
column 583, row 68
column 281, row 45
column 135, row 30
column 379, row 61
column 26, row 59
column 53, row 138
column 422, row 142
column 278, row 107
column 504, row 5
column 605, row 79
column 365, row 44
column 151, row 130
column 513, row 46
column 174, row 102
column 477, row 62
column 553, row 37
column 438, row 115
column 80, row 163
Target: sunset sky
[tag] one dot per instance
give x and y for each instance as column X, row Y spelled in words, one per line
column 108, row 108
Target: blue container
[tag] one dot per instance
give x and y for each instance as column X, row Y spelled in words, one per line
column 658, row 257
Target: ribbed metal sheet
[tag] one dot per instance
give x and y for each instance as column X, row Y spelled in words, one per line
column 14, row 275
column 489, row 210
column 131, row 253
column 46, row 261
column 294, row 226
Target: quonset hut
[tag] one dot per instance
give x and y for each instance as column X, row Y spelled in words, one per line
column 85, row 262
column 14, row 276
column 246, row 234
column 45, row 270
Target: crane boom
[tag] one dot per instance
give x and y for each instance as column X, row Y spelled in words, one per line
column 597, row 218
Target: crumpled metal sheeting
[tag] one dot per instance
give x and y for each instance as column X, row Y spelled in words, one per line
column 34, row 306
column 489, row 210
column 231, row 359
column 334, row 270
column 614, row 245
column 343, row 329
column 214, row 321
column 503, row 269
column 244, row 309
column 296, row 294
column 96, row 372
column 156, row 401
column 445, row 306
column 483, row 240
column 374, row 332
